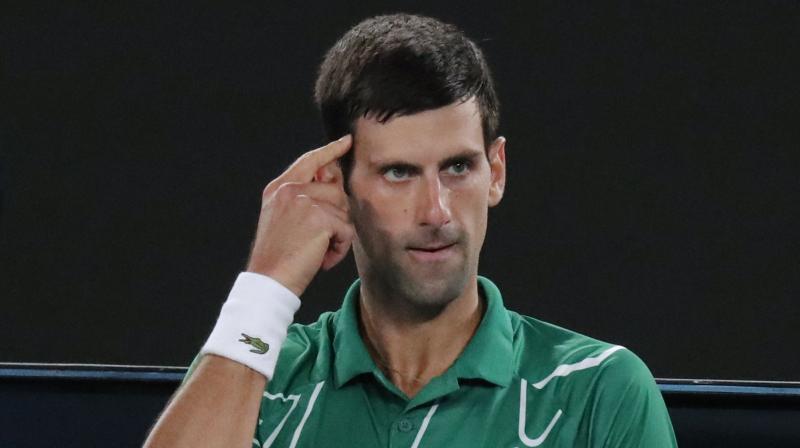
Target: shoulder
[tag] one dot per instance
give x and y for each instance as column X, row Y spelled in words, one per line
column 615, row 391
column 306, row 354
column 308, row 336
column 548, row 354
column 543, row 347
column 626, row 369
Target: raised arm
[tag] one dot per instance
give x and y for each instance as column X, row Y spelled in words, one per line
column 303, row 226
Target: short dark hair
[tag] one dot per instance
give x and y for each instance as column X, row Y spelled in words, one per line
column 401, row 64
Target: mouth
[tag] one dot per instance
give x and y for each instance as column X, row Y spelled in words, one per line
column 434, row 253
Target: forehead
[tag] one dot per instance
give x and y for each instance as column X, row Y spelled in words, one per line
column 425, row 136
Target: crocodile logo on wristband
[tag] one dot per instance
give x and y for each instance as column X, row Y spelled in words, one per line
column 260, row 347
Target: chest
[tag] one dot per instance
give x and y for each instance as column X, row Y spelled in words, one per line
column 365, row 415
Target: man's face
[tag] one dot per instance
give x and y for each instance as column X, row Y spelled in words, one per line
column 421, row 186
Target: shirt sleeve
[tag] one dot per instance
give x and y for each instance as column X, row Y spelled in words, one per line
column 191, row 368
column 628, row 408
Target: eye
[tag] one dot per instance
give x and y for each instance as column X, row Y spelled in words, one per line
column 396, row 173
column 458, row 168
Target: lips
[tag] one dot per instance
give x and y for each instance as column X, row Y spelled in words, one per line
column 432, row 248
column 432, row 253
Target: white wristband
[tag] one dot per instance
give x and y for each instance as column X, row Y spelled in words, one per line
column 253, row 322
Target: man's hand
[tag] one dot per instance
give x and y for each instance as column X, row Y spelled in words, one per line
column 304, row 223
column 303, row 226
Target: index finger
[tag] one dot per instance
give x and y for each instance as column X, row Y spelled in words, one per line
column 304, row 168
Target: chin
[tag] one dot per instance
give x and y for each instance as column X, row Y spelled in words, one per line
column 423, row 291
column 436, row 292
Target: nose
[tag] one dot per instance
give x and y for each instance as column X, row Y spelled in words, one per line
column 433, row 207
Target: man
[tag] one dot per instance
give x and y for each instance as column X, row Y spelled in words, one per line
column 422, row 352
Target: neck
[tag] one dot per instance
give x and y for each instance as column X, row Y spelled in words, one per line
column 413, row 351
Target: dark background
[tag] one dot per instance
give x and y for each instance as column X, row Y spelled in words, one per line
column 651, row 200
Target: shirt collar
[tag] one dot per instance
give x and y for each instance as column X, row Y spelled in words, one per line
column 488, row 356
column 351, row 357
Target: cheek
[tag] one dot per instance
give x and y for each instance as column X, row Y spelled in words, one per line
column 471, row 204
column 389, row 208
column 375, row 220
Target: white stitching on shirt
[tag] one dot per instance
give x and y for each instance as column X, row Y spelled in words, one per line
column 311, row 402
column 566, row 369
column 424, row 426
column 523, row 399
column 294, row 399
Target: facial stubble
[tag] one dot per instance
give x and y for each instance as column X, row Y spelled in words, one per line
column 406, row 287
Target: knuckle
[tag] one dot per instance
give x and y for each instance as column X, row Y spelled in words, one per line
column 270, row 188
column 303, row 204
column 317, row 213
column 286, row 191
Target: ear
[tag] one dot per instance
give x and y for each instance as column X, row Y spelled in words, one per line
column 497, row 165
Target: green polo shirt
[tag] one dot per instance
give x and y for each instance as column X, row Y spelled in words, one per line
column 520, row 382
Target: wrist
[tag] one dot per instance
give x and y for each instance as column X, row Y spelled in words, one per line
column 296, row 287
column 253, row 322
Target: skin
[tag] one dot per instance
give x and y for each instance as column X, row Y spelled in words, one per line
column 416, row 219
column 303, row 226
column 421, row 186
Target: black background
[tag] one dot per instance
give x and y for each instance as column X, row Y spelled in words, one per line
column 652, row 156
